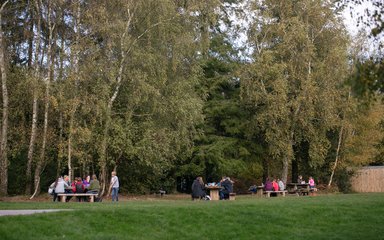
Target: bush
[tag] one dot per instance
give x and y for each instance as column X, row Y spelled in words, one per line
column 343, row 179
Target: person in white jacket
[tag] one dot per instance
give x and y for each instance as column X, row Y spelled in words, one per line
column 59, row 185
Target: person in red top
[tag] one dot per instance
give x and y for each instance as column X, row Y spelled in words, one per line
column 78, row 187
column 275, row 185
column 73, row 185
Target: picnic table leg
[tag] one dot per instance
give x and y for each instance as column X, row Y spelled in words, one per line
column 91, row 198
column 268, row 194
column 63, row 198
column 260, row 192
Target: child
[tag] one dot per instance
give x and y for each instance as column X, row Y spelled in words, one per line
column 311, row 183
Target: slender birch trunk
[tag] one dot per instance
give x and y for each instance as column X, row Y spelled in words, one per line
column 337, row 156
column 75, row 103
column 41, row 162
column 340, row 141
column 60, row 152
column 284, row 174
column 103, row 155
column 60, row 147
column 4, row 124
column 36, row 76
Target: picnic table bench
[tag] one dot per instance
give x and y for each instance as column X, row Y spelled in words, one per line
column 63, row 196
column 268, row 193
column 232, row 196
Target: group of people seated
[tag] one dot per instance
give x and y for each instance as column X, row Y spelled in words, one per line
column 275, row 185
column 311, row 182
column 79, row 185
column 278, row 185
column 199, row 188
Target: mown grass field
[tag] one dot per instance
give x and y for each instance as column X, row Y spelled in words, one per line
column 336, row 216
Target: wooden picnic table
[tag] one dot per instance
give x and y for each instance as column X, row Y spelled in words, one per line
column 299, row 189
column 214, row 192
column 63, row 196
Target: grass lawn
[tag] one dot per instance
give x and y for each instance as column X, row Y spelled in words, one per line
column 337, row 216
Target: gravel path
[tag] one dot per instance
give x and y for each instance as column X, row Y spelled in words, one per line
column 27, row 212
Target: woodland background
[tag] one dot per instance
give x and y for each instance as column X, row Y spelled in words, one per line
column 165, row 90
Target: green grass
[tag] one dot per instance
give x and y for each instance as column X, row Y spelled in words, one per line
column 352, row 216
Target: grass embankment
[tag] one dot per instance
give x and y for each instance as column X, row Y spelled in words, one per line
column 353, row 216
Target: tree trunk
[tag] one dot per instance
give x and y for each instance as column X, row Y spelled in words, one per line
column 60, row 148
column 36, row 67
column 30, row 38
column 337, row 156
column 341, row 133
column 70, row 173
column 295, row 170
column 74, row 106
column 31, row 148
column 41, row 162
column 4, row 126
column 60, row 152
column 103, row 154
column 123, row 53
column 284, row 174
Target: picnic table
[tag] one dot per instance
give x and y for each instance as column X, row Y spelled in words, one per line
column 63, row 196
column 214, row 192
column 300, row 189
column 259, row 190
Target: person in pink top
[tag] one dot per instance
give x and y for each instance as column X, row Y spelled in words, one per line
column 275, row 185
column 311, row 183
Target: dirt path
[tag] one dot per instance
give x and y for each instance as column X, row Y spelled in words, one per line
column 28, row 212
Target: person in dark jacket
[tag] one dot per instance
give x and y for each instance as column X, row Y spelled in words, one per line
column 227, row 188
column 198, row 188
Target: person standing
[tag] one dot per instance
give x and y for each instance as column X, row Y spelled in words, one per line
column 114, row 187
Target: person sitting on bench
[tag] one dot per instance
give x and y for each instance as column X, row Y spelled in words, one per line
column 94, row 185
column 198, row 189
column 268, row 185
column 227, row 188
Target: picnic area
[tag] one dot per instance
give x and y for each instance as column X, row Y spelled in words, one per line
column 326, row 216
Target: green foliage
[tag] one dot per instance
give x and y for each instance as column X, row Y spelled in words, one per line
column 158, row 90
column 343, row 177
column 368, row 79
column 293, row 86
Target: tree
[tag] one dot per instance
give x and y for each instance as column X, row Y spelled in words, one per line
column 291, row 88
column 369, row 77
column 35, row 89
column 4, row 123
column 50, row 72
